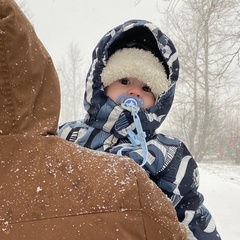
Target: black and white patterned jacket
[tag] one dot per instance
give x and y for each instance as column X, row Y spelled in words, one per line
column 105, row 128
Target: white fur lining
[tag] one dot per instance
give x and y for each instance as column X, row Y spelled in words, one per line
column 136, row 63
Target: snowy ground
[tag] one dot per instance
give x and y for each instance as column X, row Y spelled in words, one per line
column 220, row 184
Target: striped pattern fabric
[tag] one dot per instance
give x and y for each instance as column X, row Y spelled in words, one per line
column 105, row 128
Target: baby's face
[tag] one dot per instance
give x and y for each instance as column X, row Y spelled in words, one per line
column 131, row 86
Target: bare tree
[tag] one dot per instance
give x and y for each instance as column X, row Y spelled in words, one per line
column 72, row 80
column 206, row 33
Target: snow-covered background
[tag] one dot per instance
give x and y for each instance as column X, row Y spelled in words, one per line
column 60, row 22
column 220, row 185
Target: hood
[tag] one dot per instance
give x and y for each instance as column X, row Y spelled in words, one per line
column 29, row 87
column 102, row 112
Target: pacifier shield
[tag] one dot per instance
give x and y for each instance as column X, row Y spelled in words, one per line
column 130, row 100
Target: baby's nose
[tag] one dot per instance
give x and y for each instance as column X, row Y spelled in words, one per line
column 136, row 91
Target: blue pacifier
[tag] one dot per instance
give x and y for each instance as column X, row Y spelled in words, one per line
column 129, row 101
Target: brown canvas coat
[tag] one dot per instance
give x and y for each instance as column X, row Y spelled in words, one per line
column 53, row 189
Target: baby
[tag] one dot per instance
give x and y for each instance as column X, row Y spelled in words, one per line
column 129, row 91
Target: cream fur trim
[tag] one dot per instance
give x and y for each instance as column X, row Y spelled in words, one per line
column 136, row 63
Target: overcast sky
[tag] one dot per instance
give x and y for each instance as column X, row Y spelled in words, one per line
column 59, row 22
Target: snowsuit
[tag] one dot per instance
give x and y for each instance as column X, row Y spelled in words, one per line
column 47, row 189
column 107, row 125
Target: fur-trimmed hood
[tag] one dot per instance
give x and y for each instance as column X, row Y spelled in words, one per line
column 132, row 34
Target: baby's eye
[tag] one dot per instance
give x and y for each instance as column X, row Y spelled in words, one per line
column 124, row 81
column 146, row 89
